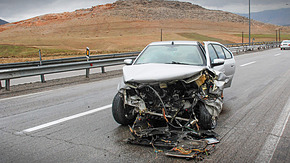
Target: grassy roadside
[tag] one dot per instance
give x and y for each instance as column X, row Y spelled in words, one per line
column 19, row 51
column 266, row 36
column 199, row 37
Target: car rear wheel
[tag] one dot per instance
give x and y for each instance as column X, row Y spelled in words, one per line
column 205, row 120
column 122, row 114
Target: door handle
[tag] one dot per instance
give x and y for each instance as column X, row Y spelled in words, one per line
column 232, row 65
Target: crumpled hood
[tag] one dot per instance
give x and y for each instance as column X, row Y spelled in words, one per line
column 154, row 72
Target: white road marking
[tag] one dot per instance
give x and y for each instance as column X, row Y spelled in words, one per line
column 277, row 54
column 248, row 63
column 273, row 139
column 65, row 119
column 20, row 96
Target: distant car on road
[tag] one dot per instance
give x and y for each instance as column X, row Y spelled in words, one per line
column 180, row 82
column 285, row 44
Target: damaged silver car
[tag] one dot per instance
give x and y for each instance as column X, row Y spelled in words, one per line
column 174, row 83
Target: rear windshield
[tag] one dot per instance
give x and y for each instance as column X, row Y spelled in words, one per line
column 172, row 54
column 286, row 41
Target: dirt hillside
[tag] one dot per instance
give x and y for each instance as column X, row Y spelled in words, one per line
column 129, row 26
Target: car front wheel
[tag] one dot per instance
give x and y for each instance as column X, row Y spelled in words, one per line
column 205, row 118
column 123, row 114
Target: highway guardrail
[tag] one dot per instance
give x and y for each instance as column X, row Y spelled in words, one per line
column 243, row 47
column 66, row 60
column 9, row 74
column 25, row 69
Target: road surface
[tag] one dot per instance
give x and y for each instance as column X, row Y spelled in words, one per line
column 75, row 123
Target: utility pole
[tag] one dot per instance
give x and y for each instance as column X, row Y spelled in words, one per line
column 243, row 38
column 276, row 35
column 161, row 35
column 40, row 63
column 249, row 22
column 279, row 34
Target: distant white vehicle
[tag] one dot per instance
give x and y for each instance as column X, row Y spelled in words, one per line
column 285, row 44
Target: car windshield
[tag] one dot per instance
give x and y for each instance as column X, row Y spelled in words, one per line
column 172, row 54
column 286, row 41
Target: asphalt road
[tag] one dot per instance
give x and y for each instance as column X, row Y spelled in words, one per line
column 75, row 124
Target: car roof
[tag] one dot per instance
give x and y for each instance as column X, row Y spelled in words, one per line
column 175, row 43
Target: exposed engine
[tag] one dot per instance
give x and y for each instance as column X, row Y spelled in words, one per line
column 190, row 103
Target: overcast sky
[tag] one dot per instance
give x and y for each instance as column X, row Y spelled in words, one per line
column 16, row 10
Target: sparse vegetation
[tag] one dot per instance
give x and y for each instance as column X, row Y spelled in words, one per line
column 13, row 51
column 266, row 36
column 199, row 37
column 18, row 51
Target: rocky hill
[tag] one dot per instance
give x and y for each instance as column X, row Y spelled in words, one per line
column 162, row 9
column 138, row 10
column 129, row 26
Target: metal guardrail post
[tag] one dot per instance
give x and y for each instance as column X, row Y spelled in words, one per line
column 87, row 72
column 161, row 35
column 7, row 84
column 88, row 59
column 40, row 63
column 103, row 69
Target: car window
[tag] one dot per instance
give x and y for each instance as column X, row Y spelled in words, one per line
column 219, row 51
column 212, row 53
column 172, row 54
column 227, row 53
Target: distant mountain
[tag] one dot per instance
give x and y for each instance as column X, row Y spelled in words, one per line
column 129, row 25
column 3, row 22
column 277, row 17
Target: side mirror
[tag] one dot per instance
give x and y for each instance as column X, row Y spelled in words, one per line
column 128, row 61
column 217, row 62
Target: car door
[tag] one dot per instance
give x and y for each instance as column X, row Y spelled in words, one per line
column 215, row 50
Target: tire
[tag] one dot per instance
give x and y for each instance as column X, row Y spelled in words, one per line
column 205, row 120
column 122, row 115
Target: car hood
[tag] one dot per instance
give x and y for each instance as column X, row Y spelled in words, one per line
column 154, row 72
